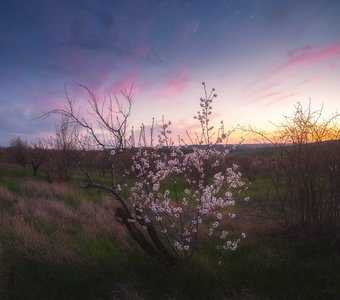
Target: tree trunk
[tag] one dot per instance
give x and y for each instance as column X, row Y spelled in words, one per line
column 155, row 250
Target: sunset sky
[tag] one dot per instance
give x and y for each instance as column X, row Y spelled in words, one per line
column 262, row 57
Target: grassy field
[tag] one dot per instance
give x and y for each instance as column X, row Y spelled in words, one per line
column 58, row 241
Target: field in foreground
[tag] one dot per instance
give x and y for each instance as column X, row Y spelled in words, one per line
column 58, row 242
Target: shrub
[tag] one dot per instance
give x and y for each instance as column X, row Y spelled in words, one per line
column 304, row 168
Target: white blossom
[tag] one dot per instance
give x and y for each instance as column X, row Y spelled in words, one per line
column 186, row 193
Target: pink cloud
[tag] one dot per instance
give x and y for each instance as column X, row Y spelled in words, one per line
column 306, row 81
column 105, row 81
column 308, row 55
column 269, row 95
column 268, row 83
column 277, row 100
column 301, row 67
column 125, row 82
column 175, row 84
column 296, row 58
column 102, row 76
column 323, row 71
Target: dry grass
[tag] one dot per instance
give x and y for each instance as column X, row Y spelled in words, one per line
column 26, row 241
column 38, row 226
column 6, row 197
column 38, row 189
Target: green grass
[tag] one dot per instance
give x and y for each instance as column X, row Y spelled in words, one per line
column 13, row 175
column 249, row 273
column 257, row 187
column 269, row 264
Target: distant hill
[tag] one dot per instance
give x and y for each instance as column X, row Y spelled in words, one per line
column 240, row 147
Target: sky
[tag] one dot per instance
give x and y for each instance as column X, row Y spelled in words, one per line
column 261, row 56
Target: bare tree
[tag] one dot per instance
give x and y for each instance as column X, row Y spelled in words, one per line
column 32, row 154
column 64, row 145
column 19, row 151
column 37, row 152
column 304, row 168
column 106, row 123
column 107, row 126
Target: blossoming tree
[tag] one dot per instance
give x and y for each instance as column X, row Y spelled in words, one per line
column 179, row 195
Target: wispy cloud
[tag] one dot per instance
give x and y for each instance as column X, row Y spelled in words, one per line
column 307, row 55
column 318, row 74
column 174, row 84
column 280, row 99
column 300, row 68
column 269, row 95
column 125, row 83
